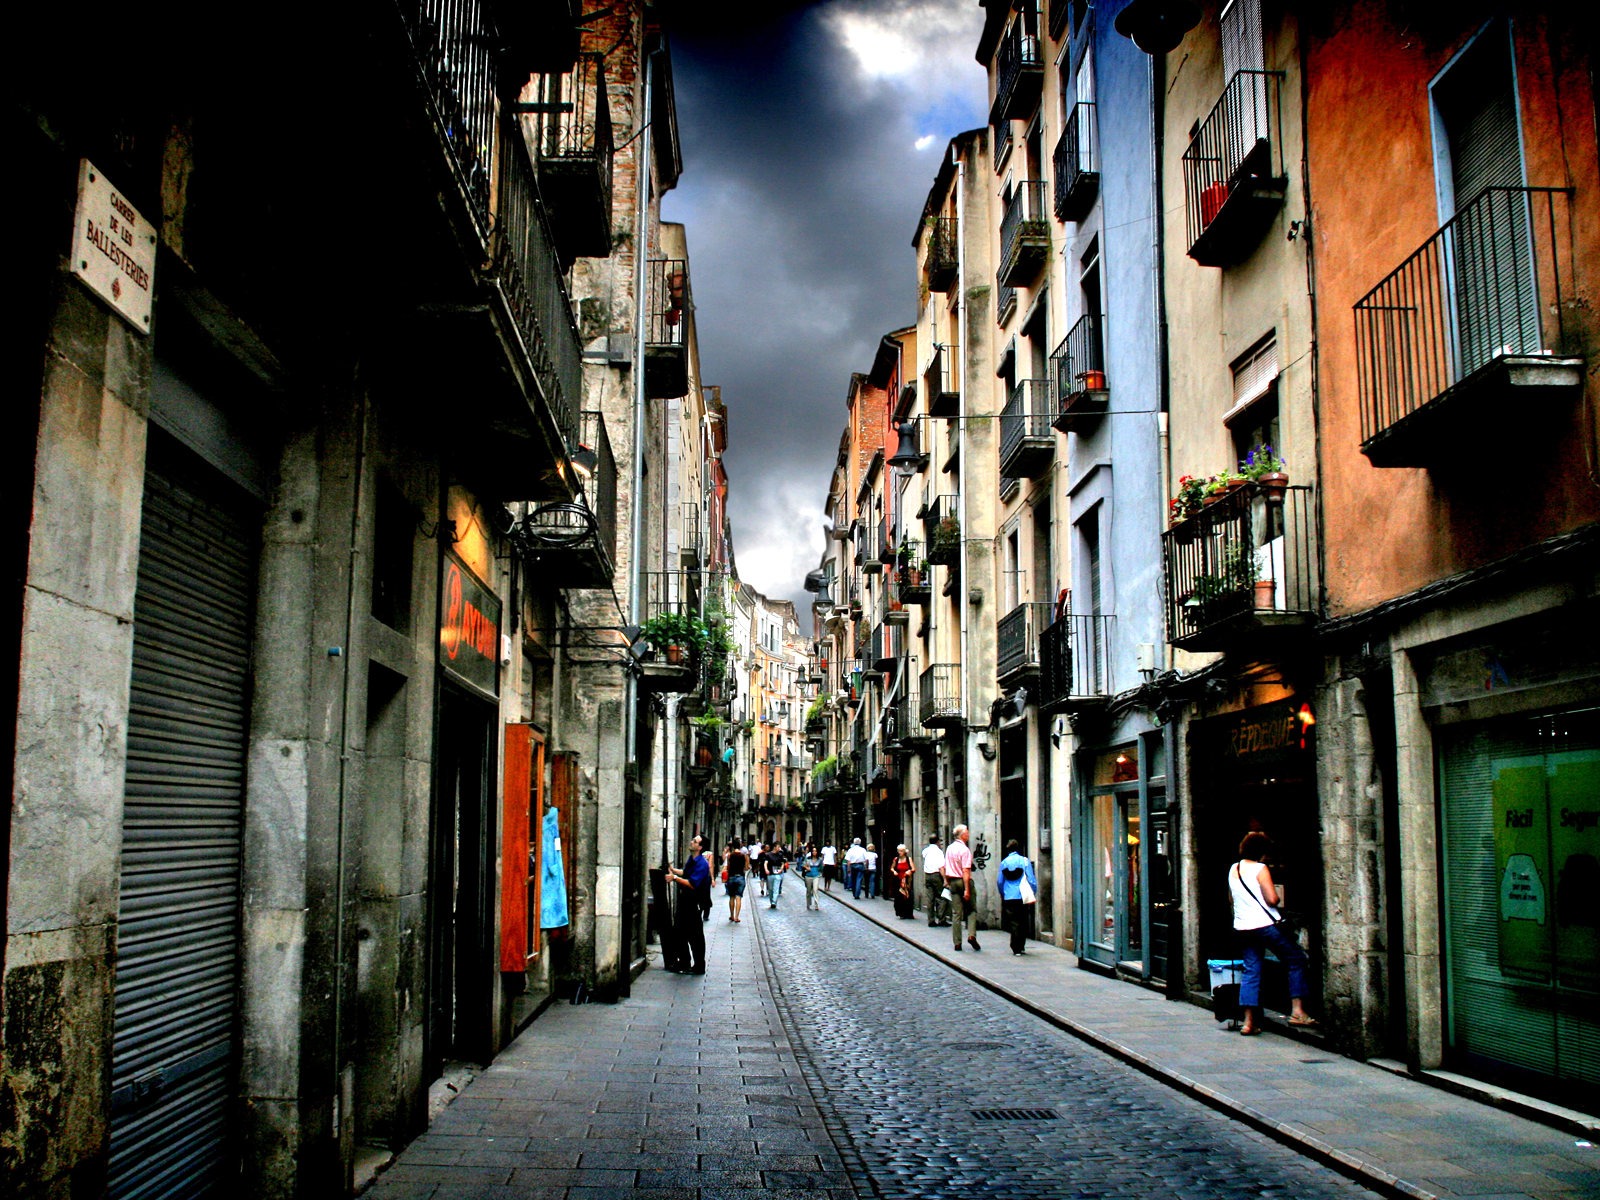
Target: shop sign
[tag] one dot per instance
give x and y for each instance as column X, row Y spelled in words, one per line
column 113, row 248
column 1268, row 734
column 469, row 627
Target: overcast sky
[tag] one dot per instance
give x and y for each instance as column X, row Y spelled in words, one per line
column 811, row 134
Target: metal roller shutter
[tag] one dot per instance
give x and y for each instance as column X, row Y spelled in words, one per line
column 177, row 976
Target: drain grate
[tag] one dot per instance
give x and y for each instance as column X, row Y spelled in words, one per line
column 983, row 1045
column 849, row 960
column 1316, row 1061
column 1016, row 1114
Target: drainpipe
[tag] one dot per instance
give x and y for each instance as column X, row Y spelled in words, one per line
column 641, row 256
column 967, row 776
column 1158, row 74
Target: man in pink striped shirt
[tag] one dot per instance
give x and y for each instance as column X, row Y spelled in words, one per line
column 958, row 878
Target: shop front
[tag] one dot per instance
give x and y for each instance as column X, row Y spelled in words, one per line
column 1126, row 853
column 1519, row 855
column 1255, row 770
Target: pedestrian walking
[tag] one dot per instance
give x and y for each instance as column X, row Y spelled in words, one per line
column 734, row 878
column 1259, row 924
column 903, row 873
column 757, row 850
column 958, row 882
column 1019, row 892
column 933, row 878
column 809, row 867
column 711, row 873
column 830, row 866
column 855, row 861
column 869, row 871
column 774, row 863
column 694, row 879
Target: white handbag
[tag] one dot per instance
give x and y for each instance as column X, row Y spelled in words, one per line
column 1029, row 896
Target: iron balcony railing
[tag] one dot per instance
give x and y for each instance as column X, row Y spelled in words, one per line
column 885, row 646
column 1236, row 152
column 671, row 592
column 1078, row 372
column 941, row 383
column 1075, row 660
column 941, row 695
column 1005, row 302
column 689, row 534
column 1240, row 565
column 942, row 519
column 943, row 258
column 453, row 44
column 869, row 545
column 1024, row 233
column 572, row 113
column 1026, row 440
column 666, row 318
column 1017, row 638
column 1019, row 70
column 1491, row 284
column 1077, row 163
column 600, row 492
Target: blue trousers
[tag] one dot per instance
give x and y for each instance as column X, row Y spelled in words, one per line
column 1256, row 944
column 852, row 878
column 774, row 889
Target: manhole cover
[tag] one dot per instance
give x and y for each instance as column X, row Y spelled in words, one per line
column 983, row 1045
column 1016, row 1114
column 1315, row 1061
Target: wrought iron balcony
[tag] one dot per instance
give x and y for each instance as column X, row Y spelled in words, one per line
column 912, row 573
column 591, row 560
column 670, row 593
column 941, row 696
column 869, row 547
column 1469, row 330
column 666, row 338
column 1077, row 164
column 1075, row 663
column 1017, row 642
column 1233, row 174
column 1005, row 301
column 1024, row 234
column 1027, row 445
column 1078, row 375
column 1019, row 75
column 572, row 127
column 941, row 382
column 689, row 535
column 943, row 259
column 884, row 647
column 943, row 521
column 1242, row 568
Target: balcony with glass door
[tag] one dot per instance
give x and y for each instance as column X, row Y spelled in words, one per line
column 1470, row 333
column 1019, row 74
column 1077, row 164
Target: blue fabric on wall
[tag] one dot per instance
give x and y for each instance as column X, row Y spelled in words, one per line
column 553, row 887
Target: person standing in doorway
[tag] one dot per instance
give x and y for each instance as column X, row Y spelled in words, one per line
column 830, row 866
column 958, row 882
column 1258, row 923
column 695, row 880
column 1016, row 901
column 933, row 878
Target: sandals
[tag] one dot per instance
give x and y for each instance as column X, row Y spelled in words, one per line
column 1303, row 1022
column 1249, row 1032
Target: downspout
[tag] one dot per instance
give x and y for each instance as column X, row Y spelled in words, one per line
column 1158, row 75
column 1307, row 235
column 641, row 254
column 961, row 481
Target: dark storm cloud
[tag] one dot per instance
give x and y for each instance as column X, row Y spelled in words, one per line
column 802, row 185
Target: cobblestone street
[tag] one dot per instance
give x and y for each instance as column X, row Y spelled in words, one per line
column 806, row 1063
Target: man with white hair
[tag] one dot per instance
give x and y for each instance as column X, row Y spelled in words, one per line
column 958, row 881
column 855, row 862
column 933, row 874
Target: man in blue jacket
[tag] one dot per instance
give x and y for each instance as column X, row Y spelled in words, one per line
column 1017, row 901
column 695, row 880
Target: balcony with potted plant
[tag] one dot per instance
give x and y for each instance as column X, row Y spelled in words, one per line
column 1474, row 325
column 666, row 344
column 911, row 573
column 1233, row 174
column 1078, row 376
column 943, row 259
column 1240, row 558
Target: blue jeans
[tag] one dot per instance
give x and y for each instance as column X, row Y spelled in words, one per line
column 871, row 885
column 852, row 879
column 1256, row 943
column 774, row 888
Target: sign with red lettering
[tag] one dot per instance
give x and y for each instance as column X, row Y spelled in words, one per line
column 469, row 627
column 114, row 248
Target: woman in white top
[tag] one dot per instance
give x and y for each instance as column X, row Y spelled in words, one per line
column 1255, row 919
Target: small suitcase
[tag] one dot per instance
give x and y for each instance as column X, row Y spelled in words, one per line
column 1225, row 1004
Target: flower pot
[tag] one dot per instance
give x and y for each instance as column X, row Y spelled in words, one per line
column 1266, row 592
column 1211, row 201
column 1273, row 485
column 676, row 654
column 1092, row 381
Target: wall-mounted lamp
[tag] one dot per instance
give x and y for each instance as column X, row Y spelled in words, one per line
column 585, row 462
column 1157, row 26
column 907, row 458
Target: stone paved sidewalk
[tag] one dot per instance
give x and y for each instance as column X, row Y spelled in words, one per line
column 1389, row 1131
column 689, row 1090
